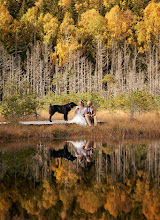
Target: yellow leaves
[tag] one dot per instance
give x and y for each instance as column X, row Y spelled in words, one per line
column 49, row 197
column 107, row 3
column 6, row 21
column 46, row 26
column 117, row 23
column 53, row 59
column 148, row 29
column 46, row 197
column 62, row 52
column 67, row 43
column 64, row 175
column 67, row 27
column 50, row 27
column 5, row 17
column 81, row 6
column 110, row 80
column 31, row 16
column 152, row 19
column 64, row 3
column 66, row 50
column 87, row 17
column 92, row 22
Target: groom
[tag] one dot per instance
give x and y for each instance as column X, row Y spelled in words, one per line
column 91, row 114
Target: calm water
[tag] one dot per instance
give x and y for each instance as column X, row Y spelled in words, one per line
column 80, row 180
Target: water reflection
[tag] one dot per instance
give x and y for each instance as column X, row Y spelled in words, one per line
column 62, row 153
column 83, row 149
column 80, row 180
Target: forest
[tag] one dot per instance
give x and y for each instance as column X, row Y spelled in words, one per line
column 61, row 51
column 122, row 183
column 56, row 47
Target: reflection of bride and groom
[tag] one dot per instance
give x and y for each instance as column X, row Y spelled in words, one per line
column 85, row 115
column 82, row 149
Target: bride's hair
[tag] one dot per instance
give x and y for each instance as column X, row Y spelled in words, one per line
column 82, row 102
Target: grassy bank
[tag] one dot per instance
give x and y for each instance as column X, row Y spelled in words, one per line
column 117, row 126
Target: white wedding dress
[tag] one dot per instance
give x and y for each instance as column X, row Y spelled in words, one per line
column 79, row 119
column 78, row 145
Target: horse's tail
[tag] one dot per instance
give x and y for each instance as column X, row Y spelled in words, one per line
column 50, row 109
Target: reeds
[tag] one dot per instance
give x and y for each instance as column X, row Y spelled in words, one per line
column 117, row 126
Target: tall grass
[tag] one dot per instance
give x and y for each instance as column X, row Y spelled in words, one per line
column 117, row 126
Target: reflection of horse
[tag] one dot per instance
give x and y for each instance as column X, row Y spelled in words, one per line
column 62, row 153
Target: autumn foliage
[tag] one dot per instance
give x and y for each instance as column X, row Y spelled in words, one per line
column 69, row 25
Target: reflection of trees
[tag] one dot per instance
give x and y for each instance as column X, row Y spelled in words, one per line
column 89, row 200
column 121, row 182
column 151, row 205
column 118, row 201
column 44, row 198
column 64, row 174
column 5, row 204
column 124, row 161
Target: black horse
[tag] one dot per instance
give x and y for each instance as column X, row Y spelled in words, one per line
column 64, row 109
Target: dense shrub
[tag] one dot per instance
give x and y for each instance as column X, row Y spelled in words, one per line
column 140, row 101
column 62, row 99
column 18, row 101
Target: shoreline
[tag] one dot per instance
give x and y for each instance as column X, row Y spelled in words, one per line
column 117, row 126
column 116, row 132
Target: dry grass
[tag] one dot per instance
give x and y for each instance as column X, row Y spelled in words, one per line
column 44, row 115
column 118, row 126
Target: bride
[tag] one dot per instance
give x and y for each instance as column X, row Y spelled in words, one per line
column 80, row 112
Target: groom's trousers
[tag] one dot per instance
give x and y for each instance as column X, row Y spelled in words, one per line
column 91, row 120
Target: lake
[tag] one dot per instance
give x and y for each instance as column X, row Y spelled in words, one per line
column 80, row 180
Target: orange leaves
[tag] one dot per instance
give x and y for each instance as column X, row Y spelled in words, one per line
column 89, row 201
column 5, row 203
column 151, row 206
column 117, row 202
column 38, row 4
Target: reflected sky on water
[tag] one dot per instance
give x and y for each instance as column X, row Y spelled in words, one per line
column 80, row 180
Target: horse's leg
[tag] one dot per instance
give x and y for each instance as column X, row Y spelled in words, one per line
column 66, row 116
column 51, row 116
